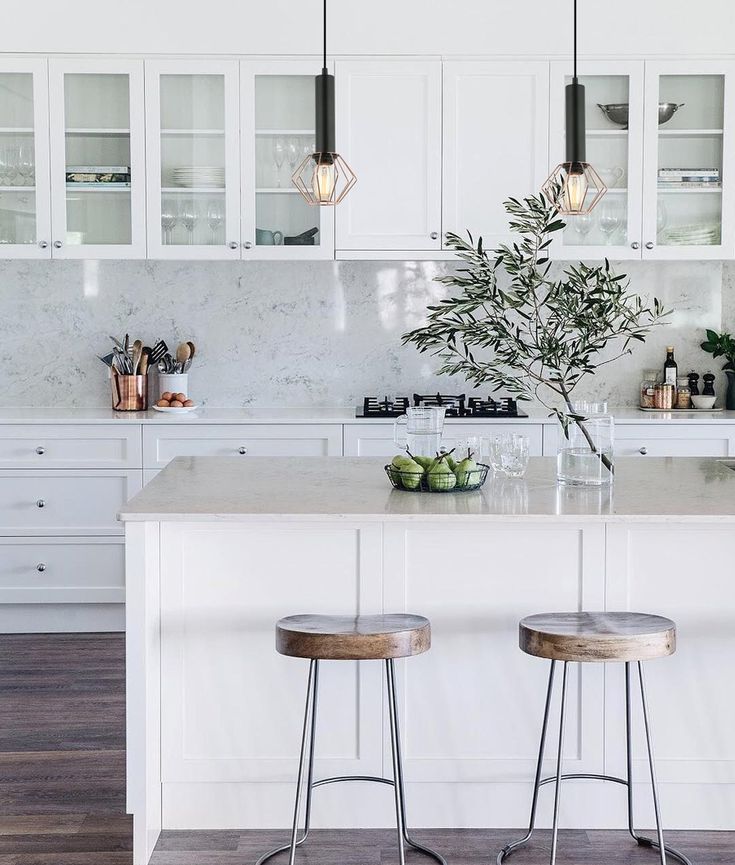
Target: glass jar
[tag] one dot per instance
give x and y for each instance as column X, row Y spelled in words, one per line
column 648, row 385
column 683, row 393
column 585, row 455
column 663, row 396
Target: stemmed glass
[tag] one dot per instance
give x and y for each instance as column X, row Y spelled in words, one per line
column 609, row 220
column 582, row 225
column 662, row 217
column 279, row 157
column 293, row 153
column 215, row 218
column 25, row 163
column 189, row 218
column 169, row 219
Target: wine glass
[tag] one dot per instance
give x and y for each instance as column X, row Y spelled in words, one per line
column 279, row 156
column 189, row 217
column 25, row 163
column 582, row 225
column 293, row 153
column 169, row 219
column 662, row 217
column 609, row 220
column 215, row 218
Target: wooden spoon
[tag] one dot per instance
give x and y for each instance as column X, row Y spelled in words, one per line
column 193, row 349
column 183, row 353
column 145, row 358
column 137, row 354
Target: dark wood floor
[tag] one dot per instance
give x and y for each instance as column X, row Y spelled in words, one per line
column 62, row 783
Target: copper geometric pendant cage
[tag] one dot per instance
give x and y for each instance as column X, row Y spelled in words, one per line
column 573, row 188
column 324, row 179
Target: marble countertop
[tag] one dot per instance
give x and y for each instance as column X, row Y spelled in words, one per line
column 682, row 489
column 314, row 414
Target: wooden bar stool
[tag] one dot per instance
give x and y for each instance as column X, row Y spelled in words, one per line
column 594, row 637
column 350, row 638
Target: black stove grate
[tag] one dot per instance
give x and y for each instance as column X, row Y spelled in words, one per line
column 456, row 405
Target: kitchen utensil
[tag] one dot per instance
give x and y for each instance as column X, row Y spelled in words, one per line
column 157, row 352
column 423, row 430
column 183, row 353
column 136, row 355
column 306, row 238
column 666, row 110
column 617, row 112
column 175, row 409
column 129, row 392
column 107, row 359
column 145, row 356
column 192, row 350
column 263, row 237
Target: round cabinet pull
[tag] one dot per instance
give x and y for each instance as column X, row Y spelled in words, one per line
column 635, row 245
column 242, row 451
column 643, row 451
column 649, row 245
column 40, row 567
column 58, row 244
column 40, row 503
column 233, row 244
column 40, row 451
column 43, row 244
column 434, row 235
column 248, row 244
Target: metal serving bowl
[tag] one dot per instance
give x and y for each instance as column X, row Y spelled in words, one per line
column 617, row 112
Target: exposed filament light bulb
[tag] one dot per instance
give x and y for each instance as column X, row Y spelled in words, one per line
column 575, row 188
column 324, row 178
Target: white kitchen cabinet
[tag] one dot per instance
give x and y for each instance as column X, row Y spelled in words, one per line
column 277, row 132
column 373, row 440
column 161, row 443
column 389, row 120
column 660, row 439
column 25, row 201
column 97, row 122
column 613, row 229
column 70, row 446
column 193, row 159
column 496, row 143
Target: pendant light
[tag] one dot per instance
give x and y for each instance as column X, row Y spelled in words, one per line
column 324, row 178
column 574, row 187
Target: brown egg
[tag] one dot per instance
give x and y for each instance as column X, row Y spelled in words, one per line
column 163, row 403
column 188, row 403
column 167, row 395
column 181, row 397
column 176, row 403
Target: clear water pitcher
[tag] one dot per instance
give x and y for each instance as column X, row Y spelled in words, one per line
column 420, row 430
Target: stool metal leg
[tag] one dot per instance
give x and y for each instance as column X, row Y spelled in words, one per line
column 398, row 783
column 559, row 755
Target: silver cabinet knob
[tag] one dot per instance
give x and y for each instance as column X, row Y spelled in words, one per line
column 233, row 244
column 40, row 503
column 635, row 245
column 242, row 451
column 649, row 245
column 40, row 567
column 58, row 244
column 43, row 244
column 40, row 451
column 248, row 244
column 434, row 235
column 643, row 451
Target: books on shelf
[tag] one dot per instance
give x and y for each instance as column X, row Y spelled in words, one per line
column 701, row 178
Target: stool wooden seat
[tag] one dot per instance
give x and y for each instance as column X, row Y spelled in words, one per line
column 597, row 636
column 353, row 638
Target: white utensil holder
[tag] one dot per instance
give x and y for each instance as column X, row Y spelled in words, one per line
column 177, row 382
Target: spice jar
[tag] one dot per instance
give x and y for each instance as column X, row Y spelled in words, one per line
column 648, row 385
column 709, row 384
column 693, row 383
column 683, row 393
column 663, row 396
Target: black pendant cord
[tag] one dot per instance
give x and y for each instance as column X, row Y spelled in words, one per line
column 324, row 61
column 574, row 74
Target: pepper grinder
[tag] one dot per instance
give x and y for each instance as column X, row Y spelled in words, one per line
column 709, row 384
column 693, row 383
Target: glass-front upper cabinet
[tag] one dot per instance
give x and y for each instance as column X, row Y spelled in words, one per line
column 689, row 185
column 614, row 114
column 97, row 159
column 25, row 219
column 277, row 117
column 192, row 128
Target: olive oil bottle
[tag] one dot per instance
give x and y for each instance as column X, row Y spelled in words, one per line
column 671, row 370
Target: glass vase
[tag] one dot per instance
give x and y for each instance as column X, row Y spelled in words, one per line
column 585, row 455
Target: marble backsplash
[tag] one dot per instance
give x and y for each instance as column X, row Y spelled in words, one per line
column 288, row 333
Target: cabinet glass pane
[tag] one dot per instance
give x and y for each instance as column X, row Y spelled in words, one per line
column 607, row 152
column 97, row 152
column 689, row 206
column 193, row 160
column 17, row 159
column 284, row 136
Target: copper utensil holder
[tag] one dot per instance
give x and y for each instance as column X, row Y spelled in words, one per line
column 129, row 392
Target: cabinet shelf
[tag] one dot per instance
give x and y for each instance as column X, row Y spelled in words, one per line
column 97, row 131
column 686, row 190
column 688, row 133
column 96, row 187
column 16, row 130
column 195, row 190
column 265, row 132
column 192, row 132
column 17, row 189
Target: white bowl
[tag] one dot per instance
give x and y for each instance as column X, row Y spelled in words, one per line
column 703, row 402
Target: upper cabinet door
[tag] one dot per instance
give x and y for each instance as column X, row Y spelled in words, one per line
column 193, row 170
column 277, row 129
column 97, row 158
column 25, row 218
column 615, row 151
column 389, row 131
column 689, row 185
column 495, row 143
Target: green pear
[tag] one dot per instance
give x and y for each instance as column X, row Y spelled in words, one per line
column 399, row 461
column 411, row 475
column 467, row 471
column 440, row 477
column 424, row 462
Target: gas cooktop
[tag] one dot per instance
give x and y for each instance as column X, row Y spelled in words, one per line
column 456, row 405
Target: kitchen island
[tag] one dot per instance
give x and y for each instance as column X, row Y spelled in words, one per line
column 218, row 548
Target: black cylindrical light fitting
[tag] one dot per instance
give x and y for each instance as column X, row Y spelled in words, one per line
column 325, row 138
column 575, row 122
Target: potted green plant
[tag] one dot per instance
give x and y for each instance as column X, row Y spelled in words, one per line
column 723, row 345
column 512, row 321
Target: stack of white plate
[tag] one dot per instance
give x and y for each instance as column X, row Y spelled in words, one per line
column 203, row 175
column 691, row 235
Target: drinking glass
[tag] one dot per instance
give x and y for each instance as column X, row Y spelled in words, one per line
column 279, row 157
column 12, row 157
column 609, row 220
column 189, row 217
column 662, row 217
column 307, row 148
column 169, row 219
column 582, row 225
column 4, row 169
column 215, row 218
column 25, row 163
column 508, row 454
column 293, row 153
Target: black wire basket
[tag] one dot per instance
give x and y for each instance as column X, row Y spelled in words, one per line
column 413, row 483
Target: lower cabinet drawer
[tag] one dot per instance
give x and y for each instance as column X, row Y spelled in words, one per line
column 64, row 502
column 67, row 446
column 62, row 571
column 661, row 439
